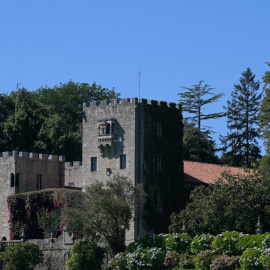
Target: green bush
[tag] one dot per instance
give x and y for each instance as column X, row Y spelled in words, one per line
column 84, row 256
column 22, row 256
column 201, row 243
column 226, row 242
column 178, row 242
column 172, row 259
column 186, row 261
column 250, row 260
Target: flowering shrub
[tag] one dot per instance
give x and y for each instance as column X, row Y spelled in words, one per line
column 148, row 258
column 172, row 259
column 201, row 243
column 118, row 262
column 186, row 261
column 265, row 258
column 226, row 242
column 225, row 262
column 204, row 259
column 178, row 242
column 250, row 260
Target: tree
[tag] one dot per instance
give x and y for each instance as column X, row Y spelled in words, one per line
column 193, row 101
column 233, row 202
column 240, row 145
column 22, row 256
column 105, row 210
column 264, row 114
column 198, row 146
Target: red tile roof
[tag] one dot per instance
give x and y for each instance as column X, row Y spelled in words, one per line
column 205, row 173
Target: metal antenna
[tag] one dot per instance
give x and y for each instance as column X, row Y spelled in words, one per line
column 139, row 84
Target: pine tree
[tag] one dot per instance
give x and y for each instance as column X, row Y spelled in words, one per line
column 240, row 145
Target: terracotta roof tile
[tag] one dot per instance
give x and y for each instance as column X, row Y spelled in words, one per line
column 205, row 173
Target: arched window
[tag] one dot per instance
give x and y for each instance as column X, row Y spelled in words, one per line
column 17, row 180
column 12, row 180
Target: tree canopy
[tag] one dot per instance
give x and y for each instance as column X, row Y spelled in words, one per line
column 233, row 202
column 48, row 120
column 105, row 210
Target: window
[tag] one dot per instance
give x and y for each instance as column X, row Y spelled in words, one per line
column 93, row 164
column 157, row 164
column 157, row 197
column 71, row 184
column 12, row 180
column 123, row 164
column 17, row 180
column 38, row 181
column 158, row 129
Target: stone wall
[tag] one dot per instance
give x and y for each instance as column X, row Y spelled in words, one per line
column 73, row 174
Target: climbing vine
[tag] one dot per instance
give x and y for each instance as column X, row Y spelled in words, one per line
column 24, row 209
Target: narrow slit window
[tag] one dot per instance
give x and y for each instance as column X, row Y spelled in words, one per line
column 157, row 163
column 157, row 197
column 38, row 181
column 123, row 163
column 12, row 180
column 158, row 129
column 93, row 164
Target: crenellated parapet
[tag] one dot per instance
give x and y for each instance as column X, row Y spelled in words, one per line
column 72, row 164
column 127, row 102
column 30, row 155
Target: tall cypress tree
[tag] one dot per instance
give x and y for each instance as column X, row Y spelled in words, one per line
column 240, row 145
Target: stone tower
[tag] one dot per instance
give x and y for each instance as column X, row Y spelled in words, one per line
column 143, row 141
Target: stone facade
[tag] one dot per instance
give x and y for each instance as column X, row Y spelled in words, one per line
column 23, row 172
column 73, row 174
column 118, row 138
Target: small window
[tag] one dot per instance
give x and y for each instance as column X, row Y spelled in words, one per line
column 158, row 129
column 157, row 197
column 93, row 164
column 108, row 129
column 38, row 181
column 17, row 180
column 71, row 184
column 12, row 180
column 123, row 164
column 157, row 164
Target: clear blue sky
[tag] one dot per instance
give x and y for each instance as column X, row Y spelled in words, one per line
column 174, row 43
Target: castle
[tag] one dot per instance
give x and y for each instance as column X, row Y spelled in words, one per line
column 136, row 138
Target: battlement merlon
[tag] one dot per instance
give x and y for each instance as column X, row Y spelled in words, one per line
column 128, row 102
column 34, row 156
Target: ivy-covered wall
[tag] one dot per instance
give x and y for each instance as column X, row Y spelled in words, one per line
column 168, row 147
column 23, row 209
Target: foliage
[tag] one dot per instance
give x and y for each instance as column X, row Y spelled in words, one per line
column 193, row 102
column 178, row 242
column 46, row 219
column 23, row 209
column 105, row 210
column 198, row 145
column 201, row 243
column 85, row 255
column 265, row 258
column 264, row 114
column 48, row 120
column 240, row 145
column 225, row 262
column 118, row 262
column 250, row 260
column 240, row 199
column 225, row 243
column 22, row 256
column 204, row 259
column 186, row 261
column 171, row 259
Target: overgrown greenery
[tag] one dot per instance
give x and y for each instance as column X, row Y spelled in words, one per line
column 23, row 256
column 233, row 202
column 24, row 209
column 48, row 120
column 105, row 210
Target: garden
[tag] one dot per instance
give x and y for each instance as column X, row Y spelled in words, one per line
column 226, row 251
